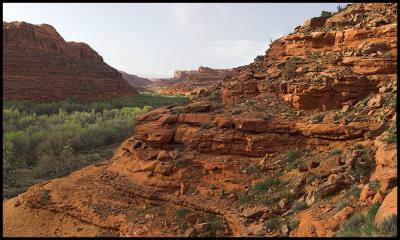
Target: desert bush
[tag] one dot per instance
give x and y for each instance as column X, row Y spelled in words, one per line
column 354, row 191
column 342, row 204
column 289, row 70
column 363, row 225
column 317, row 118
column 267, row 117
column 292, row 224
column 182, row 212
column 335, row 152
column 216, row 223
column 267, row 183
column 272, row 223
column 326, row 14
column 299, row 205
column 259, row 58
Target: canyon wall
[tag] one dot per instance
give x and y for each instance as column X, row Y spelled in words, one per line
column 39, row 65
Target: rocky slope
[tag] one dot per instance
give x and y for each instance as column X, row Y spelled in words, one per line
column 135, row 81
column 39, row 65
column 291, row 145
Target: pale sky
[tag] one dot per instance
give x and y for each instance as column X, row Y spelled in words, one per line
column 155, row 39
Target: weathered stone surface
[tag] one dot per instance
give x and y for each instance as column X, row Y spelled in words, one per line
column 388, row 207
column 38, row 65
column 250, row 124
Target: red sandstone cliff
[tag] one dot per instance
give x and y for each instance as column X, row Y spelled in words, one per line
column 39, row 65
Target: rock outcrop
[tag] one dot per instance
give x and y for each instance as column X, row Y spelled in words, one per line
column 39, row 65
column 327, row 63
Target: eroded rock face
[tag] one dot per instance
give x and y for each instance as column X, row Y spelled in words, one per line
column 325, row 64
column 388, row 207
column 39, row 65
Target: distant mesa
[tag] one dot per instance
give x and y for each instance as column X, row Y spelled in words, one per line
column 203, row 74
column 39, row 65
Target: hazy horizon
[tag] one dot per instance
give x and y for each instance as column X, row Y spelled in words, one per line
column 154, row 39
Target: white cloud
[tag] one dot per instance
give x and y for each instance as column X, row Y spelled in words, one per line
column 241, row 49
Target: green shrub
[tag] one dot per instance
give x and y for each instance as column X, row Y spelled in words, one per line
column 267, row 117
column 373, row 210
column 272, row 223
column 216, row 223
column 391, row 138
column 269, row 182
column 289, row 70
column 299, row 206
column 292, row 159
column 335, row 152
column 363, row 225
column 292, row 224
column 342, row 204
column 236, row 111
column 182, row 212
column 317, row 118
column 259, row 58
column 326, row 14
column 44, row 196
column 245, row 199
column 389, row 227
column 354, row 191
column 375, row 185
column 363, row 165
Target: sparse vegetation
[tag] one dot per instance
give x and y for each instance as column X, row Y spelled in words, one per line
column 299, row 206
column 353, row 191
column 267, row 117
column 216, row 223
column 326, row 14
column 289, row 70
column 236, row 111
column 259, row 58
column 375, row 185
column 44, row 196
column 391, row 137
column 293, row 223
column 272, row 223
column 363, row 225
column 182, row 212
column 317, row 118
column 268, row 182
column 335, row 152
column 364, row 163
column 292, row 159
column 342, row 204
